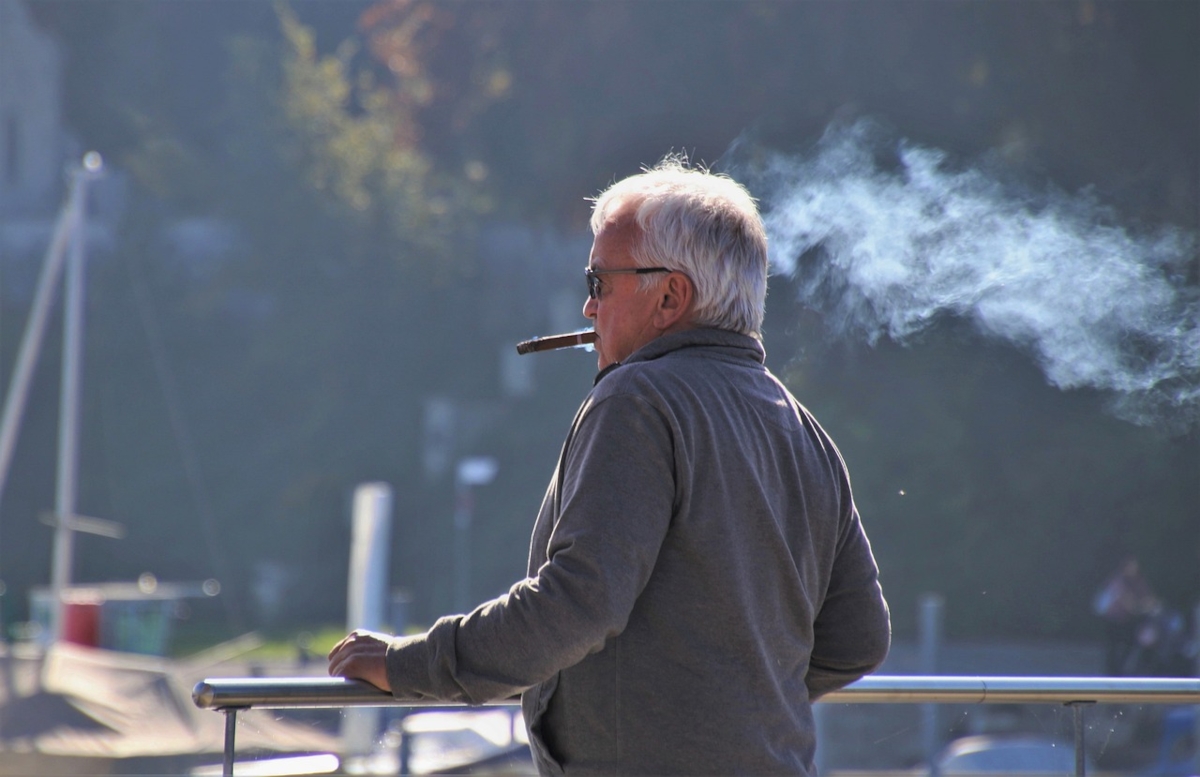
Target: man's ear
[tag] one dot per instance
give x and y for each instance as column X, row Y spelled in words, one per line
column 676, row 298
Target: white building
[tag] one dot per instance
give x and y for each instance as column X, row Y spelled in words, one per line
column 36, row 150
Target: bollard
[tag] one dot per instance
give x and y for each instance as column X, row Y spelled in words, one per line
column 367, row 596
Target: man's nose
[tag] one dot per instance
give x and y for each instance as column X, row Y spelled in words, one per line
column 589, row 308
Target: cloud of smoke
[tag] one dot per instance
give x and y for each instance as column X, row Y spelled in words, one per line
column 885, row 237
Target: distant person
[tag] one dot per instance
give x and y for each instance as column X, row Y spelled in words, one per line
column 698, row 573
column 1123, row 602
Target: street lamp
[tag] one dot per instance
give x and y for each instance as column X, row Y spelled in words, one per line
column 471, row 471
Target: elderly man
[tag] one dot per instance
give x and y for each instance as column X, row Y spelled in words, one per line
column 698, row 574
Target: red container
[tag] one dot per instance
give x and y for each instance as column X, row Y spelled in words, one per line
column 81, row 623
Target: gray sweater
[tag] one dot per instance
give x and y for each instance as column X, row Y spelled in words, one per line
column 698, row 575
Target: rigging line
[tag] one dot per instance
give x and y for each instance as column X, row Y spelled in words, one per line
column 183, row 439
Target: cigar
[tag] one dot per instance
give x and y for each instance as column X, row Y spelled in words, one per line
column 551, row 342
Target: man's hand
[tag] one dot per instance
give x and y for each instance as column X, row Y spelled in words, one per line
column 361, row 655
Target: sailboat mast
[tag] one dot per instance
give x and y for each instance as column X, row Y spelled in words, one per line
column 68, row 413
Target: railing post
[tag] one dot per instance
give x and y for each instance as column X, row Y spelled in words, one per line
column 1080, row 743
column 230, row 730
column 405, row 754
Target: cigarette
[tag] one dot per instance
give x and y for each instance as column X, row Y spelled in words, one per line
column 552, row 342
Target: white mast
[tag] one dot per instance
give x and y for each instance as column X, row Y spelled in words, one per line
column 66, row 247
column 68, row 410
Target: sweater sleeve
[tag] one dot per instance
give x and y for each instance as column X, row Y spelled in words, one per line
column 852, row 631
column 609, row 507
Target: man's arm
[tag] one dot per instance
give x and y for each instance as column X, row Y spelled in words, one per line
column 852, row 632
column 616, row 489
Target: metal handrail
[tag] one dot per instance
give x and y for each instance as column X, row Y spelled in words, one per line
column 229, row 695
column 281, row 692
column 277, row 692
column 892, row 689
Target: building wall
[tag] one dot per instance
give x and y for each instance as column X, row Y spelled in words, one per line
column 31, row 123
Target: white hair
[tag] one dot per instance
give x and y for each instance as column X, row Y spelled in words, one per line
column 705, row 225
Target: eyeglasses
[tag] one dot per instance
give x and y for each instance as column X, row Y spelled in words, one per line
column 593, row 276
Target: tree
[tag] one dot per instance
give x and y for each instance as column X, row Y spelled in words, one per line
column 355, row 171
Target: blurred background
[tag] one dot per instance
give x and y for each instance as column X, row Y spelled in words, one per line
column 323, row 225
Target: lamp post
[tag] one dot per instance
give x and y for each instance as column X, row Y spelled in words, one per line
column 470, row 472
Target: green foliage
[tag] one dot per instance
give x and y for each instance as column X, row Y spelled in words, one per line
column 351, row 140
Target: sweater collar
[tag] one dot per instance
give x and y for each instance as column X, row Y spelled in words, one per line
column 732, row 344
